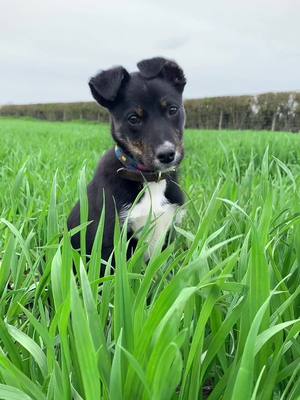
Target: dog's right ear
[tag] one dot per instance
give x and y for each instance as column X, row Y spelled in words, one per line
column 106, row 85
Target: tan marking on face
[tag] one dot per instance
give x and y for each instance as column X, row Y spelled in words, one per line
column 163, row 103
column 135, row 147
column 139, row 111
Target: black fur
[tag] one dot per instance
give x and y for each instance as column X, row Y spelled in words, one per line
column 149, row 95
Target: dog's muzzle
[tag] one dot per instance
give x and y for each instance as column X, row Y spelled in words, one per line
column 135, row 171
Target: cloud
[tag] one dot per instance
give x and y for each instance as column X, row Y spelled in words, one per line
column 49, row 49
column 172, row 43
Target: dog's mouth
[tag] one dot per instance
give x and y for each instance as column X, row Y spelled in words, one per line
column 148, row 163
column 165, row 163
column 148, row 158
column 154, row 165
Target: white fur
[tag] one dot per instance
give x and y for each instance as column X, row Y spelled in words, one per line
column 165, row 147
column 162, row 213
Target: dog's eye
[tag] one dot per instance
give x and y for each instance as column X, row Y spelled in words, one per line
column 173, row 110
column 134, row 119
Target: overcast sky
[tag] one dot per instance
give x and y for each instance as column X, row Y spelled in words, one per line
column 49, row 48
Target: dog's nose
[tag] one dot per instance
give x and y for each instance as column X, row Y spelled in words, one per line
column 166, row 157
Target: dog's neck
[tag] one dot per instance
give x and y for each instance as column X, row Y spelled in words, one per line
column 135, row 171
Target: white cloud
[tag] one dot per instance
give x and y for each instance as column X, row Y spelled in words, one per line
column 50, row 48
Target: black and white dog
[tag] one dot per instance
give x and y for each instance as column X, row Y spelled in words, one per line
column 147, row 123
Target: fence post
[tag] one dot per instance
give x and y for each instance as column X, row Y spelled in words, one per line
column 221, row 120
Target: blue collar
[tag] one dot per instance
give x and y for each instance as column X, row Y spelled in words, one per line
column 128, row 161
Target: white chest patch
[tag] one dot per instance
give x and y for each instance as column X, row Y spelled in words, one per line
column 155, row 203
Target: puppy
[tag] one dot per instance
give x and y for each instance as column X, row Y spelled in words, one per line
column 147, row 123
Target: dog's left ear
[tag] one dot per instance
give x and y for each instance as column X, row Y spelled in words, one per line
column 161, row 67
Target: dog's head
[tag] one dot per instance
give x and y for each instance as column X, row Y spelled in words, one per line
column 146, row 109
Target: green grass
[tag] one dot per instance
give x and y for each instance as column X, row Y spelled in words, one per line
column 216, row 311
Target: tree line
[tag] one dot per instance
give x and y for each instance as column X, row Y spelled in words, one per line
column 269, row 111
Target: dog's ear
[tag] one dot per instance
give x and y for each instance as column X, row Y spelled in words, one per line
column 160, row 67
column 151, row 67
column 106, row 85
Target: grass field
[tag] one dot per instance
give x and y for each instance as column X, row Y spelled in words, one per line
column 216, row 314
